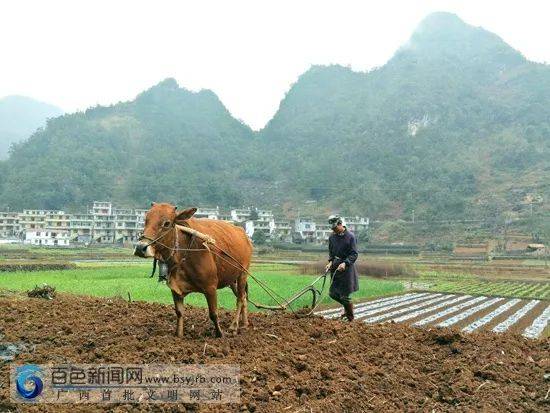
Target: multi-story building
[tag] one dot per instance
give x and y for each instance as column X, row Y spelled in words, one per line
column 102, row 208
column 80, row 228
column 57, row 228
column 57, row 220
column 31, row 219
column 282, row 231
column 47, row 237
column 240, row 215
column 226, row 217
column 44, row 227
column 9, row 225
column 125, row 225
column 107, row 224
column 267, row 227
column 210, row 213
column 104, row 223
column 103, row 227
column 140, row 217
column 356, row 224
column 322, row 232
column 305, row 229
column 265, row 215
column 260, row 220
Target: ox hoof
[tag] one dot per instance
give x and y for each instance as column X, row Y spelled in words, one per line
column 218, row 334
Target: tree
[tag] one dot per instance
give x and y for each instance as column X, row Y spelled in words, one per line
column 253, row 214
column 259, row 238
column 363, row 236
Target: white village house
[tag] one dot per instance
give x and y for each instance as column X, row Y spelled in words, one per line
column 104, row 223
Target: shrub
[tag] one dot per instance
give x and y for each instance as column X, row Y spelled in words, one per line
column 259, row 238
column 45, row 291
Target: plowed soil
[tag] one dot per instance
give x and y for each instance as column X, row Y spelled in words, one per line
column 287, row 364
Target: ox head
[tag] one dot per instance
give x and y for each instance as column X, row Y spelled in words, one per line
column 159, row 224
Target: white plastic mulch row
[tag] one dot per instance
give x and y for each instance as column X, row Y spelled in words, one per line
column 363, row 314
column 448, row 311
column 514, row 318
column 404, row 310
column 369, row 303
column 485, row 319
column 454, row 308
column 430, row 309
column 369, row 306
column 538, row 325
column 465, row 314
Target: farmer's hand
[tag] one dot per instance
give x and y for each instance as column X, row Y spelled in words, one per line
column 327, row 268
column 341, row 267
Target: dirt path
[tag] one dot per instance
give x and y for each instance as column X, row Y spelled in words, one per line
column 315, row 364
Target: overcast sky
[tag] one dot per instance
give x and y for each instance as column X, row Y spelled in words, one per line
column 77, row 54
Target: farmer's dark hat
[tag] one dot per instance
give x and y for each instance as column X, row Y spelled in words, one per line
column 334, row 220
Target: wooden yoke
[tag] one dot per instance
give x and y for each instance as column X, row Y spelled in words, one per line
column 206, row 238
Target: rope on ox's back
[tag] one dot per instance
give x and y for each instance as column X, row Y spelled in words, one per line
column 209, row 244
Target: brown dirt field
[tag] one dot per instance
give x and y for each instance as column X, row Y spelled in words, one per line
column 317, row 365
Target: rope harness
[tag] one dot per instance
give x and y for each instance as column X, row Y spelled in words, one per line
column 210, row 245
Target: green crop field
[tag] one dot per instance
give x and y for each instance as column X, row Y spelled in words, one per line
column 119, row 280
column 469, row 284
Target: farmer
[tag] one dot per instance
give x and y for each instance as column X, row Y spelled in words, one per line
column 342, row 251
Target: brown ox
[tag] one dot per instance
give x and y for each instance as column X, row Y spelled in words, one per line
column 201, row 271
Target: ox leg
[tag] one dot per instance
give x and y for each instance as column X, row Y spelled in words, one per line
column 178, row 306
column 234, row 289
column 212, row 299
column 241, row 314
column 242, row 288
column 235, row 323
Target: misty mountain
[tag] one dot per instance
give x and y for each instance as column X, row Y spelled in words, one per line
column 169, row 143
column 20, row 116
column 456, row 124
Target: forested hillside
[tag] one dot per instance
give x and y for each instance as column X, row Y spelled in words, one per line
column 455, row 125
column 168, row 143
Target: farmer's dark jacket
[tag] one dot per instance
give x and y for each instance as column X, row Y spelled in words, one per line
column 343, row 248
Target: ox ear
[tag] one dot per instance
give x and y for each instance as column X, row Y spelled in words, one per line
column 153, row 204
column 186, row 214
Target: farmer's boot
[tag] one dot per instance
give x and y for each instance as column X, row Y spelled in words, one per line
column 349, row 311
